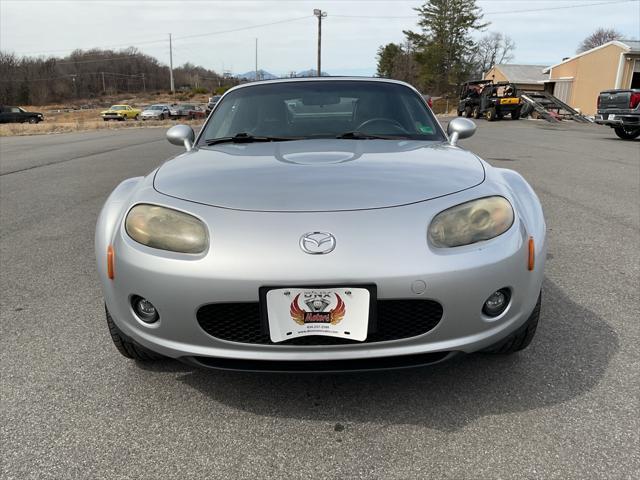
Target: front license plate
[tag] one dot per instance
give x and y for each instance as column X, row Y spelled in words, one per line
column 331, row 312
column 509, row 101
column 611, row 117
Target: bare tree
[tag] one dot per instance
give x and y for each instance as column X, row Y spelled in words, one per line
column 92, row 73
column 599, row 37
column 492, row 49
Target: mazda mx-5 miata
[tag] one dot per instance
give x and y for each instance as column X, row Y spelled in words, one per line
column 321, row 224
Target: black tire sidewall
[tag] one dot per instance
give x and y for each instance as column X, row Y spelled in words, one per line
column 626, row 133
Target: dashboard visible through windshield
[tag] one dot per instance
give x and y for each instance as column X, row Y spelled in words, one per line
column 322, row 109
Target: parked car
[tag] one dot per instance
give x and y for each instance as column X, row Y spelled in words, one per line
column 18, row 115
column 620, row 110
column 120, row 112
column 212, row 103
column 186, row 110
column 428, row 99
column 483, row 98
column 156, row 112
column 361, row 237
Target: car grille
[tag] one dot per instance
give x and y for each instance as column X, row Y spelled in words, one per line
column 396, row 319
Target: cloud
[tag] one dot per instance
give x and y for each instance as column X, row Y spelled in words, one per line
column 349, row 43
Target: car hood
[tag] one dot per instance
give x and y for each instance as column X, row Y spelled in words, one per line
column 319, row 175
column 151, row 112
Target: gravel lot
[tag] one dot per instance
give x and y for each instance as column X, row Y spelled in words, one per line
column 567, row 407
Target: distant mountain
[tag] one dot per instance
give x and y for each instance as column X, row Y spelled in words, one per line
column 310, row 73
column 262, row 75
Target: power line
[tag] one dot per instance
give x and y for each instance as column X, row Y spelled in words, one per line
column 197, row 35
column 71, row 75
column 502, row 12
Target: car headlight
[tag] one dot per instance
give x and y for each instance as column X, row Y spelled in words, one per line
column 471, row 222
column 166, row 229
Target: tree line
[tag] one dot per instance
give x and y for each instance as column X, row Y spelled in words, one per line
column 443, row 53
column 87, row 74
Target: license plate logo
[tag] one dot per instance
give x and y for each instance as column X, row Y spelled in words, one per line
column 341, row 312
column 313, row 307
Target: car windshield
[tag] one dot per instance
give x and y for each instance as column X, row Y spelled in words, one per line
column 118, row 107
column 323, row 109
column 156, row 107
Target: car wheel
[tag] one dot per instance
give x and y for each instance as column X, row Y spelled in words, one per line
column 627, row 133
column 467, row 112
column 515, row 115
column 33, row 120
column 123, row 118
column 521, row 338
column 126, row 347
column 162, row 117
column 136, row 118
column 476, row 112
column 491, row 114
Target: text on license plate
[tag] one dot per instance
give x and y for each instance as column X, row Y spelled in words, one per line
column 341, row 312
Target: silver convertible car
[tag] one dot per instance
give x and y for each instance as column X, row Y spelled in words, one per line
column 321, row 225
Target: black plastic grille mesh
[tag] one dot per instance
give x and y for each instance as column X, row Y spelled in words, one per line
column 396, row 319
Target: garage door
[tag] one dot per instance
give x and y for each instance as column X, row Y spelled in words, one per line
column 562, row 90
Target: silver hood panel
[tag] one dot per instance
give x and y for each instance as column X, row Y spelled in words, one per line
column 319, row 175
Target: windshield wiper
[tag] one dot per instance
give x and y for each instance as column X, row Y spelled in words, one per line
column 366, row 136
column 246, row 138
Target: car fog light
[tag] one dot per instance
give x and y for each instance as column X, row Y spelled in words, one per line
column 145, row 309
column 496, row 303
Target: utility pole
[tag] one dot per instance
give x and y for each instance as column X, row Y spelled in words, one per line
column 173, row 88
column 320, row 14
column 144, row 85
column 75, row 85
column 256, row 59
column 104, row 85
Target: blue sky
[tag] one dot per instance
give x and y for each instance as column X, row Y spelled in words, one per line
column 352, row 31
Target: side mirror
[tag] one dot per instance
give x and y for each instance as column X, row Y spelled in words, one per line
column 459, row 128
column 181, row 135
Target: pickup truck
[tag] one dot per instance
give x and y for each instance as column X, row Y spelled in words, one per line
column 18, row 115
column 620, row 110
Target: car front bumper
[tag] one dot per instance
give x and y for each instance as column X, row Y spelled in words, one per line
column 247, row 253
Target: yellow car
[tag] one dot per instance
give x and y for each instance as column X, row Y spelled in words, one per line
column 120, row 112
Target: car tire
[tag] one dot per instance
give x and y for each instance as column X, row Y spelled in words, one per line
column 126, row 347
column 467, row 112
column 136, row 118
column 521, row 338
column 476, row 112
column 626, row 133
column 33, row 120
column 515, row 115
column 491, row 114
column 123, row 118
column 162, row 117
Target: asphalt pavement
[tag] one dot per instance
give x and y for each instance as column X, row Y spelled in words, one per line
column 567, row 407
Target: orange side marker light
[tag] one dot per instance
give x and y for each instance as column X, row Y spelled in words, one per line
column 532, row 255
column 110, row 259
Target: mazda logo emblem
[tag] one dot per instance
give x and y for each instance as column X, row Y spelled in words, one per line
column 317, row 243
